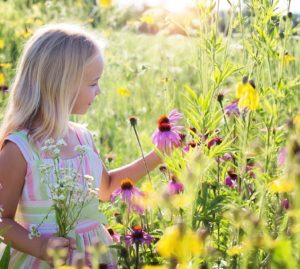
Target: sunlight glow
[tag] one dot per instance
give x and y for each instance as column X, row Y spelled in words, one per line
column 179, row 6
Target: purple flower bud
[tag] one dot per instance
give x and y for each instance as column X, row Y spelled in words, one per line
column 231, row 179
column 285, row 204
column 214, row 141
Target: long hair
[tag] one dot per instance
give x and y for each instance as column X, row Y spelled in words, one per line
column 47, row 81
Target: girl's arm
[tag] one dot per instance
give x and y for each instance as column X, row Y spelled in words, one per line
column 13, row 169
column 136, row 170
column 12, row 173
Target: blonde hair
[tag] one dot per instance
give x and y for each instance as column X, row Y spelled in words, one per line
column 47, row 81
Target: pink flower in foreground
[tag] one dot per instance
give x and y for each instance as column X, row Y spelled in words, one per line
column 174, row 116
column 138, row 236
column 129, row 195
column 167, row 134
column 175, row 187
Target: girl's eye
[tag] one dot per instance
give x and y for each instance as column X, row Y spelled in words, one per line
column 94, row 85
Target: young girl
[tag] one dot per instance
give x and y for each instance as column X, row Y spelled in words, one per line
column 57, row 76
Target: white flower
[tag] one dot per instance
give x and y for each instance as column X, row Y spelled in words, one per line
column 56, row 152
column 34, row 232
column 49, row 142
column 89, row 178
column 45, row 168
column 81, row 149
column 61, row 143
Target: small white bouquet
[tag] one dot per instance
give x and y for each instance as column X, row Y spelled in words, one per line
column 70, row 190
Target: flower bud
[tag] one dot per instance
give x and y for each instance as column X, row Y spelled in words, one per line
column 252, row 83
column 245, row 79
column 133, row 121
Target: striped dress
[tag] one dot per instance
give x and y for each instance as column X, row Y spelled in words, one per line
column 35, row 203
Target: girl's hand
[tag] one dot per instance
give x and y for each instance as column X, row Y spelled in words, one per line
column 57, row 243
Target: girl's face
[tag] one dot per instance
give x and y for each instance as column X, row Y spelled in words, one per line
column 89, row 87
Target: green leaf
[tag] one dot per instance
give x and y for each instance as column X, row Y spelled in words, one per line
column 5, row 258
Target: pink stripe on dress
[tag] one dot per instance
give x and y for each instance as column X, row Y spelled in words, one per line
column 87, row 227
column 87, row 254
column 30, row 184
column 36, row 264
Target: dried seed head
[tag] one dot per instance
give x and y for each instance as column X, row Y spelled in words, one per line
column 252, row 83
column 245, row 79
column 133, row 121
column 220, row 97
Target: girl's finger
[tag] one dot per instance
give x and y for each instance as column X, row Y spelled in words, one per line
column 72, row 242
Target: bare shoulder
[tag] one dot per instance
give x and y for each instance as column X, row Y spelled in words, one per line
column 11, row 155
column 13, row 169
column 13, row 165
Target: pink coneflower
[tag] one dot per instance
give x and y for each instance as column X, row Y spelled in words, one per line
column 174, row 186
column 174, row 116
column 231, row 179
column 167, row 134
column 129, row 194
column 138, row 236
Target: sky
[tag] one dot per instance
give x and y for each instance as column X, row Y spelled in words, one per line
column 178, row 5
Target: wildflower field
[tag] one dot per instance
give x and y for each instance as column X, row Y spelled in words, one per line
column 228, row 194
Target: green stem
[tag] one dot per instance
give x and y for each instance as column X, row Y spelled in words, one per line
column 141, row 149
column 137, row 256
column 221, row 104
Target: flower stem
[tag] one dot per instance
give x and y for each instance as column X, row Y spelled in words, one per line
column 224, row 116
column 141, row 149
column 137, row 256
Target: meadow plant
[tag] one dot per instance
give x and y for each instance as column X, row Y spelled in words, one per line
column 69, row 190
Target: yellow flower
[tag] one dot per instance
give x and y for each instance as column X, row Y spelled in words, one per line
column 123, row 91
column 296, row 121
column 38, row 22
column 105, row 3
column 152, row 199
column 2, row 79
column 106, row 33
column 281, row 185
column 181, row 200
column 1, row 43
column 236, row 250
column 147, row 19
column 180, row 244
column 295, row 213
column 288, row 58
column 6, row 65
column 155, row 267
column 24, row 34
column 71, row 267
column 248, row 96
